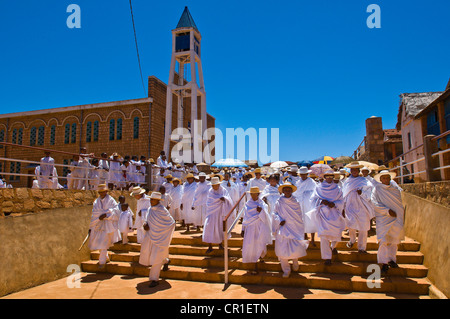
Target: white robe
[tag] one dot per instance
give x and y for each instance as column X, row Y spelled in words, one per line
column 102, row 230
column 176, row 193
column 258, row 231
column 216, row 211
column 186, row 200
column 143, row 204
column 389, row 229
column 199, row 203
column 358, row 210
column 125, row 221
column 115, row 173
column 305, row 189
column 155, row 246
column 290, row 240
column 260, row 183
column 328, row 221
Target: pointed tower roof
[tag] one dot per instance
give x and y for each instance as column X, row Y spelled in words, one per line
column 186, row 20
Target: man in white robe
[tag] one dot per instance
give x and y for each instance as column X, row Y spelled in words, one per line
column 186, row 200
column 103, row 167
column 142, row 206
column 176, row 193
column 125, row 223
column 257, row 180
column 159, row 227
column 327, row 215
column 231, row 187
column 305, row 188
column 199, row 201
column 45, row 177
column 389, row 214
column 115, row 173
column 218, row 205
column 270, row 196
column 358, row 210
column 290, row 240
column 101, row 227
column 256, row 229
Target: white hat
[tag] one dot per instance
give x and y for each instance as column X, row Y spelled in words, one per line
column 328, row 173
column 137, row 191
column 202, row 174
column 254, row 190
column 102, row 188
column 215, row 181
column 385, row 172
column 156, row 195
column 354, row 165
column 365, row 169
column 304, row 170
column 294, row 168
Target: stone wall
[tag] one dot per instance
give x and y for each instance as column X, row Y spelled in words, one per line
column 438, row 192
column 429, row 223
column 40, row 233
column 20, row 201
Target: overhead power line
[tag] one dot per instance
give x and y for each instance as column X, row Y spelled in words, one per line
column 137, row 49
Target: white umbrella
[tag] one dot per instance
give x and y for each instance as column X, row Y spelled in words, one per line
column 319, row 169
column 229, row 162
column 279, row 164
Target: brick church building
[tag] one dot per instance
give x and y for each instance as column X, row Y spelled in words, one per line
column 128, row 127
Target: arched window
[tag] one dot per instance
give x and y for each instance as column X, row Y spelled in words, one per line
column 67, row 134
column 19, row 137
column 33, row 136
column 136, row 127
column 111, row 129
column 96, row 128
column 119, row 129
column 52, row 135
column 88, row 132
column 2, row 137
column 14, row 136
column 73, row 138
column 41, row 133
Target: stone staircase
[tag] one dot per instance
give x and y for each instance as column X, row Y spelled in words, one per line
column 348, row 272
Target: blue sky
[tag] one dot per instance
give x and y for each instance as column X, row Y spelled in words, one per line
column 313, row 69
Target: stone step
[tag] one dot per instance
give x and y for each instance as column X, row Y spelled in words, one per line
column 329, row 281
column 196, row 240
column 272, row 264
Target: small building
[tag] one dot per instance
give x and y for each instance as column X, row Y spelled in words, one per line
column 435, row 119
column 411, row 104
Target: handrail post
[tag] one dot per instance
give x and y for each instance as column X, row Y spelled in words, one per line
column 225, row 256
column 430, row 147
column 401, row 170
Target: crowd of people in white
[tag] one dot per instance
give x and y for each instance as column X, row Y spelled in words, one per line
column 282, row 208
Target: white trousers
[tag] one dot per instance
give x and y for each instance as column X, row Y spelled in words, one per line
column 386, row 253
column 155, row 270
column 125, row 238
column 103, row 256
column 326, row 248
column 362, row 238
column 286, row 267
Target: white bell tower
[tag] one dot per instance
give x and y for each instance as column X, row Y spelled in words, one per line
column 186, row 62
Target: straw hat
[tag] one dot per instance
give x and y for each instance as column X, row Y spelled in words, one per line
column 254, row 190
column 328, row 173
column 257, row 170
column 280, row 188
column 137, row 191
column 304, row 170
column 382, row 168
column 176, row 180
column 168, row 176
column 338, row 176
column 215, row 181
column 102, row 188
column 219, row 176
column 156, row 195
column 384, row 172
column 190, row 175
column 354, row 165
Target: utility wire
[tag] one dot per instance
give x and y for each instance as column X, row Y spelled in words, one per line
column 137, row 50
